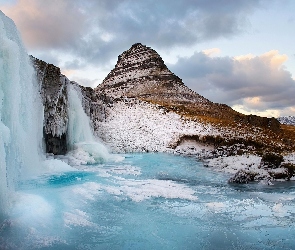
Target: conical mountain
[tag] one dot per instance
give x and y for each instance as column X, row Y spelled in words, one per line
column 141, row 73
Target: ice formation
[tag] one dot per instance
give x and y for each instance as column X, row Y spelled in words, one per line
column 85, row 148
column 21, row 112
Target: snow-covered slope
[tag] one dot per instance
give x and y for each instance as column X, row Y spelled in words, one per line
column 137, row 126
column 288, row 120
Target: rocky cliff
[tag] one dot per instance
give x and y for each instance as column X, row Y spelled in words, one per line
column 54, row 95
column 54, row 92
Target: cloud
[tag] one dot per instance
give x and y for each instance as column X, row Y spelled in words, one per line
column 47, row 24
column 211, row 52
column 96, row 31
column 255, row 83
column 86, row 81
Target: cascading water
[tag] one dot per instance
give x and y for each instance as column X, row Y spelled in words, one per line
column 86, row 149
column 21, row 112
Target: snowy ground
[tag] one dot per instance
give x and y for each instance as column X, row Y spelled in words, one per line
column 248, row 163
column 143, row 127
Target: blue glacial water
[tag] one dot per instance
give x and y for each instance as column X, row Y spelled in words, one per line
column 148, row 201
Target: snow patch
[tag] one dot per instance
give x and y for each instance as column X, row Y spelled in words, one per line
column 135, row 126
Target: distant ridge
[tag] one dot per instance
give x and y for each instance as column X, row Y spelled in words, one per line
column 287, row 120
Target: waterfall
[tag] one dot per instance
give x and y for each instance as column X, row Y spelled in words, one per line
column 21, row 113
column 86, row 149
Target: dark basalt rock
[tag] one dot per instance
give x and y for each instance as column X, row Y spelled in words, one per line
column 271, row 160
column 290, row 169
column 56, row 144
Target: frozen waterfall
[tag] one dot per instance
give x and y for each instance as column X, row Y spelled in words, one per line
column 85, row 148
column 21, row 121
column 21, row 112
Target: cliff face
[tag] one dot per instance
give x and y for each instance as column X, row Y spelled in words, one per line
column 54, row 95
column 54, row 92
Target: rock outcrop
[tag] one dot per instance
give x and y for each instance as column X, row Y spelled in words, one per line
column 54, row 92
column 140, row 72
column 54, row 95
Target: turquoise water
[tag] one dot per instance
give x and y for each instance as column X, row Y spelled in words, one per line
column 148, row 201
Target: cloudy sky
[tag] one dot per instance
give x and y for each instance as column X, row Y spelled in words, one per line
column 238, row 52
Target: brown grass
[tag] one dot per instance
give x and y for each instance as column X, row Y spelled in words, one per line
column 226, row 120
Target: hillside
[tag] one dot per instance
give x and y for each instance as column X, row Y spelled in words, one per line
column 140, row 76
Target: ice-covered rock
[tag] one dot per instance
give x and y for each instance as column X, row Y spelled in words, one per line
column 54, row 94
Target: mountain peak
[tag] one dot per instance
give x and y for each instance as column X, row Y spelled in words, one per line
column 138, row 52
column 141, row 72
column 137, row 62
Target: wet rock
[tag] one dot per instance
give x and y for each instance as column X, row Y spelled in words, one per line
column 271, row 160
column 242, row 177
column 290, row 170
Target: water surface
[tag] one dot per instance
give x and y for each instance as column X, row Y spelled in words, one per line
column 149, row 201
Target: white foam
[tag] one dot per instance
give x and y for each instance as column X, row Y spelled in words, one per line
column 217, row 207
column 88, row 191
column 77, row 218
column 119, row 170
column 139, row 190
column 55, row 165
column 31, row 209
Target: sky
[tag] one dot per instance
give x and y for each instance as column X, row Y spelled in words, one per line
column 237, row 52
